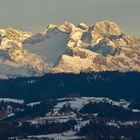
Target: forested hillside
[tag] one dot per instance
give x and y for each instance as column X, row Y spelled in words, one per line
column 105, row 84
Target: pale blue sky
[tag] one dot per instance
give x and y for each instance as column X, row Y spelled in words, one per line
column 35, row 15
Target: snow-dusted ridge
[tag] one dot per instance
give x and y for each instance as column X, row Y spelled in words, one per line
column 76, row 103
column 11, row 100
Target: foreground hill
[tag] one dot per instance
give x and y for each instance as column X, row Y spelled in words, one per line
column 70, row 118
column 68, row 106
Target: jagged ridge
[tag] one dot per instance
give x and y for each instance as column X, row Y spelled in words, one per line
column 69, row 48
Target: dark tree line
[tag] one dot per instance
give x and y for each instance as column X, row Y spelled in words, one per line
column 107, row 84
column 110, row 112
column 12, row 129
column 98, row 130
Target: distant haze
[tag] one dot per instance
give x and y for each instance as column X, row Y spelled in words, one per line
column 35, row 15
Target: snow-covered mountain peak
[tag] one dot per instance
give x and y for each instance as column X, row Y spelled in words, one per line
column 51, row 26
column 14, row 59
column 101, row 30
column 17, row 35
column 107, row 28
column 69, row 48
column 83, row 26
column 67, row 27
column 2, row 32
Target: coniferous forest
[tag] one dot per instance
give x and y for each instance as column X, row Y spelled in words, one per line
column 105, row 84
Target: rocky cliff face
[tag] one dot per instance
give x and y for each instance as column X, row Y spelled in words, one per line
column 70, row 48
column 14, row 60
column 100, row 47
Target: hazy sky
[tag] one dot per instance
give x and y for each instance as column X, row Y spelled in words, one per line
column 35, row 15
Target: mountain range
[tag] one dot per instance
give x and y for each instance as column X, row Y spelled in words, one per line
column 68, row 48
